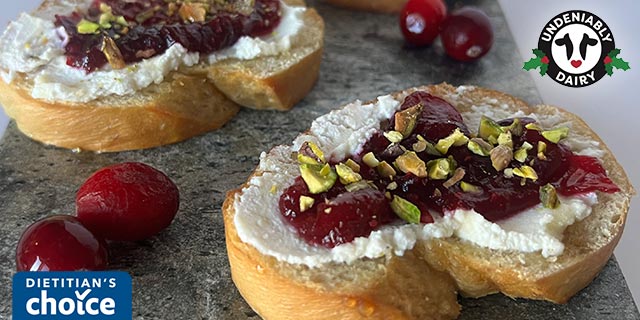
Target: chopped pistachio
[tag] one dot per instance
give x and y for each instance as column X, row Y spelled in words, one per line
column 386, row 170
column 393, row 136
column 468, row 187
column 406, row 210
column 112, row 53
column 274, row 189
column 419, row 146
column 430, row 148
column 542, row 148
column 105, row 18
column 310, row 153
column 316, row 150
column 526, row 172
column 306, row 159
column 387, row 195
column 479, row 147
column 501, row 156
column 405, row 120
column 437, row 193
column 516, row 128
column 87, row 27
column 306, row 203
column 346, row 174
column 352, row 187
column 327, row 210
column 409, row 162
column 458, row 174
column 521, row 153
column 505, row 139
column 353, row 165
column 392, row 186
column 549, row 196
column 555, row 135
column 439, row 169
column 508, row 173
column 456, row 138
column 370, row 160
column 122, row 21
column 533, row 126
column 193, row 12
column 489, row 128
column 319, row 178
column 105, row 7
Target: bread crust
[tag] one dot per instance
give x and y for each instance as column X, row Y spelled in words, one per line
column 385, row 6
column 189, row 102
column 475, row 271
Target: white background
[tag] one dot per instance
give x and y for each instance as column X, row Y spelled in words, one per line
column 610, row 106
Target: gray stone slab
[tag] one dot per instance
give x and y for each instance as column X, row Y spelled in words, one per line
column 183, row 273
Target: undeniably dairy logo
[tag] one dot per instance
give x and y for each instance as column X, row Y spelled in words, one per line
column 72, row 295
column 576, row 49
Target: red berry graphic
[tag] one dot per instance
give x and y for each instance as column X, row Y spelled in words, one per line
column 545, row 60
column 607, row 60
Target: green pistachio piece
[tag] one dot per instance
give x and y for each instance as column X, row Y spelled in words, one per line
column 410, row 162
column 352, row 187
column 549, row 196
column 405, row 120
column 456, row 138
column 370, row 160
column 105, row 19
column 439, row 169
column 458, row 174
column 501, row 156
column 468, row 187
column 542, row 148
column 306, row 203
column 306, row 159
column 392, row 186
column 419, row 146
column 319, row 178
column 533, row 126
column 406, row 210
column 555, row 135
column 479, row 147
column 87, row 27
column 393, row 136
column 489, row 128
column 430, row 148
column 505, row 139
column 122, row 21
column 353, row 165
column 316, row 150
column 521, row 154
column 346, row 174
column 386, row 170
column 526, row 172
column 516, row 128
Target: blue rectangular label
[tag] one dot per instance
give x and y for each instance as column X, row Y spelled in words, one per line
column 72, row 295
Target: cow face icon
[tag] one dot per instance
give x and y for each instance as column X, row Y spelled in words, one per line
column 576, row 49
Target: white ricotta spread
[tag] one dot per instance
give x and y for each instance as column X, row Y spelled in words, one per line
column 35, row 46
column 342, row 133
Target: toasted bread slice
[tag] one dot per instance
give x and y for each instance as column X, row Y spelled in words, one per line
column 189, row 102
column 387, row 6
column 422, row 284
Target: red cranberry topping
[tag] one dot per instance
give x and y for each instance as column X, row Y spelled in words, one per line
column 354, row 214
column 129, row 201
column 467, row 34
column 337, row 216
column 420, row 21
column 154, row 27
column 60, row 243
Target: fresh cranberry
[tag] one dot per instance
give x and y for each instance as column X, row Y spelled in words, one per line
column 129, row 201
column 60, row 243
column 467, row 34
column 420, row 21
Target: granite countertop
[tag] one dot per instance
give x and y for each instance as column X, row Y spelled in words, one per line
column 183, row 273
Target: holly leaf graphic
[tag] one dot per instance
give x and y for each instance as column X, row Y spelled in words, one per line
column 533, row 63
column 539, row 53
column 615, row 62
column 543, row 69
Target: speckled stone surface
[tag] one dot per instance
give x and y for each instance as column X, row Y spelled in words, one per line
column 183, row 273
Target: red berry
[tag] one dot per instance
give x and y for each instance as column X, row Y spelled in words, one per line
column 128, row 202
column 467, row 34
column 545, row 60
column 420, row 21
column 607, row 60
column 60, row 243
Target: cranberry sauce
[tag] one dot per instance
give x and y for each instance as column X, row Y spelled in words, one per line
column 121, row 32
column 495, row 194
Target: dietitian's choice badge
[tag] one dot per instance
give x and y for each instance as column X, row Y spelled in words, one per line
column 576, row 49
column 72, row 295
